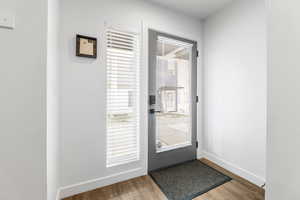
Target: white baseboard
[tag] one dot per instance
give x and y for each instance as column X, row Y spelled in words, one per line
column 259, row 181
column 85, row 186
column 200, row 154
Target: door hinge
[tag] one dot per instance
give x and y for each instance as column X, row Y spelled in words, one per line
column 197, row 53
column 197, row 144
column 197, row 99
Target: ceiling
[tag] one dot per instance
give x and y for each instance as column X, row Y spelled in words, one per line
column 195, row 8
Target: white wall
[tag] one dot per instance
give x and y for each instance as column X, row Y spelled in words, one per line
column 283, row 161
column 235, row 88
column 53, row 75
column 23, row 102
column 83, row 87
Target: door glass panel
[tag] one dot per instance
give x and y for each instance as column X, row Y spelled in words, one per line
column 173, row 94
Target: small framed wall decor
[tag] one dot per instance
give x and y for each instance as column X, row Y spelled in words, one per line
column 86, row 46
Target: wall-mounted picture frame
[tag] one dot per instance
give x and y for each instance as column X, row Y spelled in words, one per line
column 86, row 46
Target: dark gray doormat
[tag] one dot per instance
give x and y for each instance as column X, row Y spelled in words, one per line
column 188, row 180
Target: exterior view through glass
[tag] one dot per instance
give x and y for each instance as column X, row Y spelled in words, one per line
column 173, row 94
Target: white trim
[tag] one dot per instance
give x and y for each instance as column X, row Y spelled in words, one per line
column 200, row 154
column 257, row 180
column 144, row 76
column 92, row 184
column 57, row 194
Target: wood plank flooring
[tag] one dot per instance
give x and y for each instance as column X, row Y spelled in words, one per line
column 143, row 188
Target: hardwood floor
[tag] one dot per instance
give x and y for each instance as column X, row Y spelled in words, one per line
column 143, row 188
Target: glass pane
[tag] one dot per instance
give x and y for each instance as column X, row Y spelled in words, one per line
column 173, row 94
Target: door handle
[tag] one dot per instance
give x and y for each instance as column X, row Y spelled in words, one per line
column 152, row 111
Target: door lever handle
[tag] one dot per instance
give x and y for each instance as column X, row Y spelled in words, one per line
column 152, row 111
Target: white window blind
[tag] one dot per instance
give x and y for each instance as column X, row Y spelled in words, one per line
column 122, row 62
